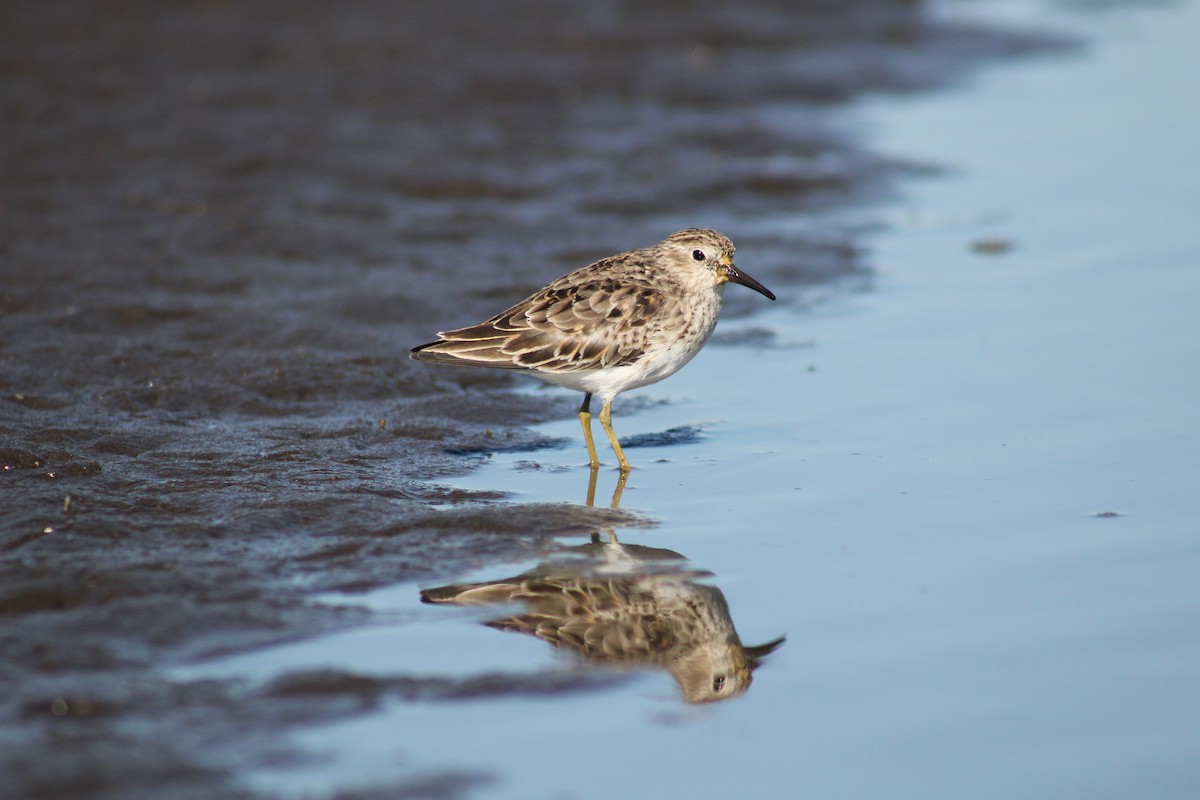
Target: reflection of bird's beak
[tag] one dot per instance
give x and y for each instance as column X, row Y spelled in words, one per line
column 734, row 274
column 757, row 652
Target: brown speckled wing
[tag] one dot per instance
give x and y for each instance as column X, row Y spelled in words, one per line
column 587, row 320
column 604, row 620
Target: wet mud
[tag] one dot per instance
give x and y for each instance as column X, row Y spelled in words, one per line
column 223, row 225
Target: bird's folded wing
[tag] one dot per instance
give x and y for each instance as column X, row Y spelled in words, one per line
column 571, row 325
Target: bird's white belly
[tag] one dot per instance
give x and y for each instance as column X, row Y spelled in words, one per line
column 662, row 362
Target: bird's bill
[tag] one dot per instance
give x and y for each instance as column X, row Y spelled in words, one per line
column 755, row 653
column 735, row 275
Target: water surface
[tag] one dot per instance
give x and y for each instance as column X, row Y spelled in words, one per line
column 952, row 465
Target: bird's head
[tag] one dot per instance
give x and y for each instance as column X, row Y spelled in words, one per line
column 713, row 252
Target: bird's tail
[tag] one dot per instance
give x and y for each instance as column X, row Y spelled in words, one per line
column 470, row 594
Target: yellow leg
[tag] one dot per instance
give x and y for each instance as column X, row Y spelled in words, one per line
column 591, row 495
column 616, row 498
column 585, row 419
column 606, row 422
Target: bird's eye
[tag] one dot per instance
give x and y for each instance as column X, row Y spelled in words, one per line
column 719, row 681
column 698, row 255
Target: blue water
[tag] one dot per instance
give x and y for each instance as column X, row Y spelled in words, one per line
column 968, row 496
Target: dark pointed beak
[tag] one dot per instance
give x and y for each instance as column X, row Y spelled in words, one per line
column 737, row 276
column 757, row 652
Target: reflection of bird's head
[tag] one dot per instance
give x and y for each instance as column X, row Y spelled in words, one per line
column 721, row 671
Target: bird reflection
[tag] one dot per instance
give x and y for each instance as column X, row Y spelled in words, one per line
column 626, row 605
column 617, row 491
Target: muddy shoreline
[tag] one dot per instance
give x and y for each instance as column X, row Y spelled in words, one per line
column 222, row 227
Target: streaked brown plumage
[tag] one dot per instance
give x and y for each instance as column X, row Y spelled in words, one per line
column 623, row 322
column 660, row 618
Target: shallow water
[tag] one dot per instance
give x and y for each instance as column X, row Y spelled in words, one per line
column 963, row 494
column 969, row 503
